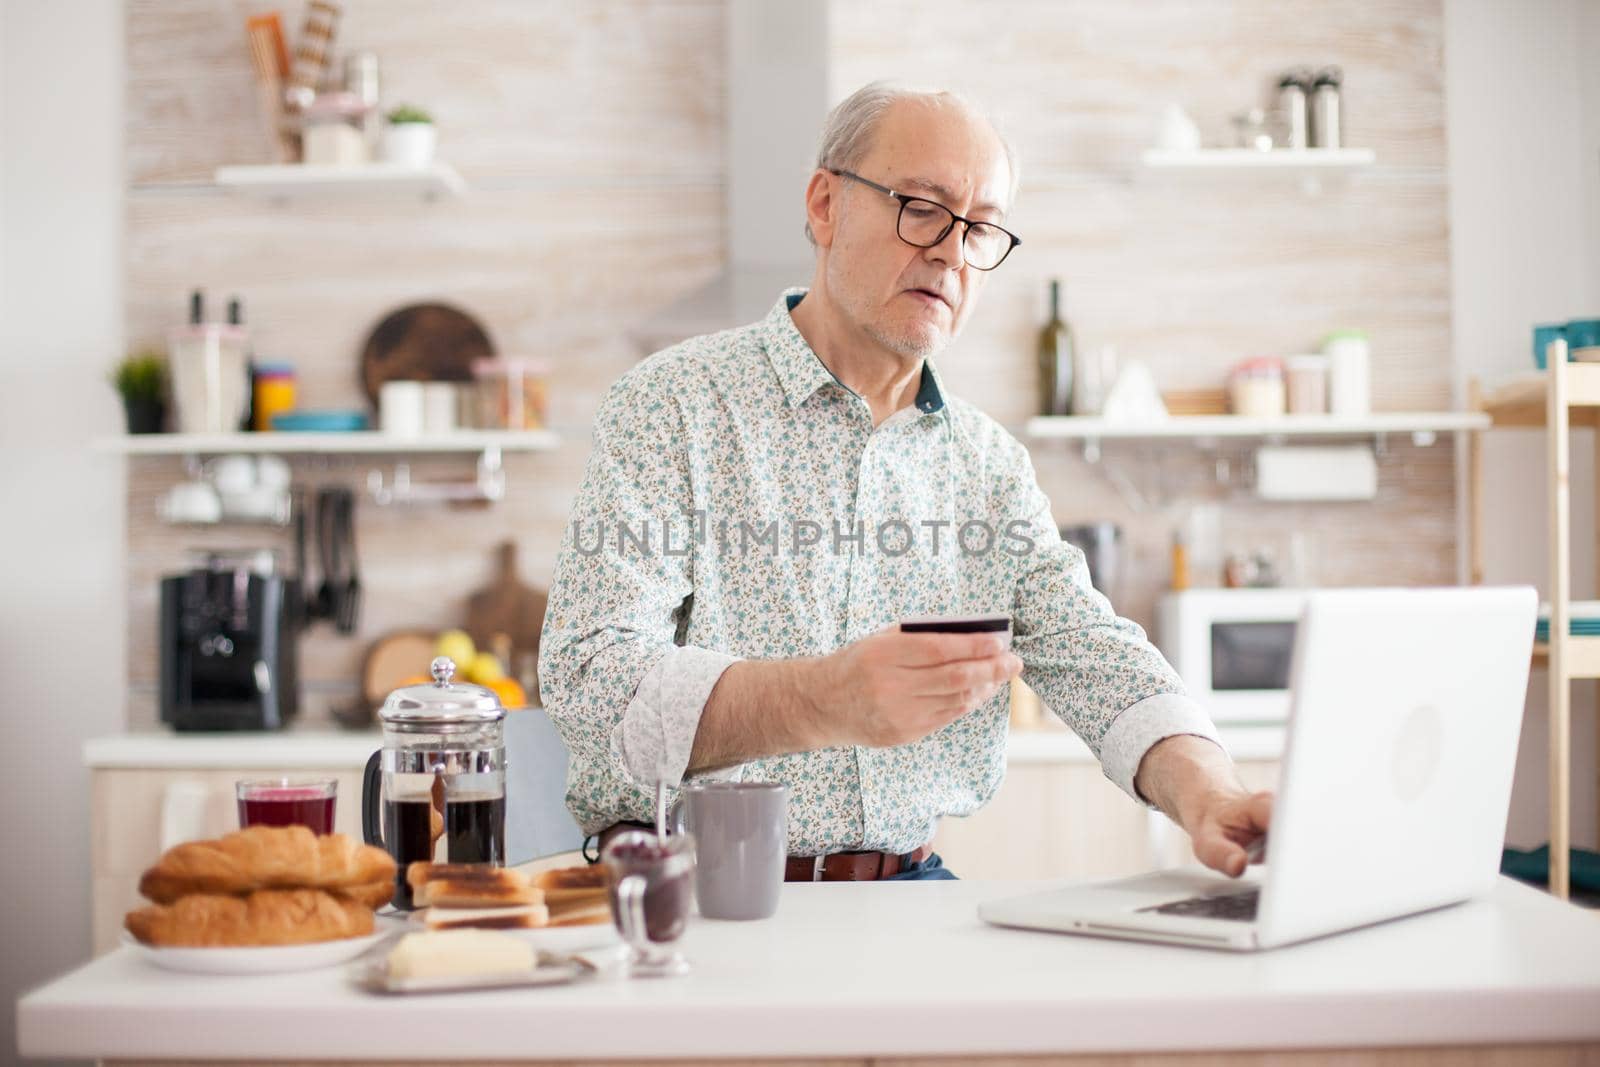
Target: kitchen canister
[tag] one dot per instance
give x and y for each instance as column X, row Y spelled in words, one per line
column 1325, row 101
column 210, row 381
column 274, row 387
column 400, row 408
column 1307, row 378
column 1256, row 388
column 1294, row 108
column 440, row 403
column 1349, row 372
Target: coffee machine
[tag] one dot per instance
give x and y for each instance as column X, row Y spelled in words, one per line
column 229, row 646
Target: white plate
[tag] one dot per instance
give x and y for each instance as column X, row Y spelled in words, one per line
column 270, row 959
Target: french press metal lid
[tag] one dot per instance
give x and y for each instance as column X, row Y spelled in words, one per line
column 441, row 706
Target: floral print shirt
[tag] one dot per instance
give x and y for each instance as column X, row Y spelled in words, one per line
column 739, row 503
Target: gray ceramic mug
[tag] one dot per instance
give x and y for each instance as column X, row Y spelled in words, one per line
column 741, row 833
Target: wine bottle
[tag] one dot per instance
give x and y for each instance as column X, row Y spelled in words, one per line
column 1055, row 359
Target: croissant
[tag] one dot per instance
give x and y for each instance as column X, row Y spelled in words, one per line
column 265, row 917
column 265, row 857
column 374, row 895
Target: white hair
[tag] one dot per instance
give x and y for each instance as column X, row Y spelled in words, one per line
column 847, row 135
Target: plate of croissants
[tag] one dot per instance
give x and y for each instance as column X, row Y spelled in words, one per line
column 263, row 900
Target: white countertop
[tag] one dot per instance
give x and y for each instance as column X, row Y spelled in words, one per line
column 308, row 749
column 890, row 969
column 343, row 749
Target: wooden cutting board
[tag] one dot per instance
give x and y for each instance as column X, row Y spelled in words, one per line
column 507, row 606
column 423, row 343
column 391, row 660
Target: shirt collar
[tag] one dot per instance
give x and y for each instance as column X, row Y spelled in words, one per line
column 801, row 373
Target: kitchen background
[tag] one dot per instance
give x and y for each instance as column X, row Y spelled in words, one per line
column 592, row 138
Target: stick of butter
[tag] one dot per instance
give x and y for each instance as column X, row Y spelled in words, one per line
column 457, row 953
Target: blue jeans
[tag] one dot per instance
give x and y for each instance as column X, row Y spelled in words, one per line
column 931, row 869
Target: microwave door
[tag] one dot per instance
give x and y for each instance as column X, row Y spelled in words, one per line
column 1250, row 664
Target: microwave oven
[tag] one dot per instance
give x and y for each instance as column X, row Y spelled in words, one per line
column 1233, row 648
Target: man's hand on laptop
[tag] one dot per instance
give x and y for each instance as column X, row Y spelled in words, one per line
column 893, row 688
column 1227, row 828
column 1193, row 781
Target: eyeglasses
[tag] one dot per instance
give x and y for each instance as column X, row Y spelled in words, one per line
column 925, row 223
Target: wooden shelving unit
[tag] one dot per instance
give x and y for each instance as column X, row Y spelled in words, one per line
column 1557, row 400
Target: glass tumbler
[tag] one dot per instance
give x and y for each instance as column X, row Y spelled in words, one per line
column 651, row 886
column 304, row 802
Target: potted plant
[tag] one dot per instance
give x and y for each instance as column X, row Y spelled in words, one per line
column 409, row 137
column 141, row 379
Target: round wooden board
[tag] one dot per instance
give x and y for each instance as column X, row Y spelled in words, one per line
column 391, row 660
column 423, row 343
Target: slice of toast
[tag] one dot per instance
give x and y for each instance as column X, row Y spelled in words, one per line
column 525, row 917
column 420, row 874
column 594, row 915
column 475, row 893
column 587, row 876
column 596, row 907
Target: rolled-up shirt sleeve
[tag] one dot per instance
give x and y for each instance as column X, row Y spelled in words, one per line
column 657, row 731
column 618, row 686
column 1095, row 670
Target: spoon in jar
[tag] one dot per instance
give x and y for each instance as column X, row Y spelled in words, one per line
column 661, row 812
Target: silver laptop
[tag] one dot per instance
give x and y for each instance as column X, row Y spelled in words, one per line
column 1396, row 780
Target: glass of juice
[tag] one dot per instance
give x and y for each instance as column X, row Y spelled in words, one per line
column 304, row 802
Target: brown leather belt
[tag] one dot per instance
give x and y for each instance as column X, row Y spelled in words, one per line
column 833, row 867
column 852, row 866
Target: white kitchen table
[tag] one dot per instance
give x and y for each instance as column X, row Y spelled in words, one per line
column 904, row 971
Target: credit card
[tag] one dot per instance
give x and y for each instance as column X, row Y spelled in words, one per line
column 959, row 624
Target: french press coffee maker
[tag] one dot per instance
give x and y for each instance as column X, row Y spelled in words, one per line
column 440, row 774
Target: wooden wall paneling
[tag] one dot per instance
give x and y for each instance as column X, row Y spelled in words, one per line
column 610, row 91
column 593, row 141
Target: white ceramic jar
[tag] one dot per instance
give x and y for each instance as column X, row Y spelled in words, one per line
column 400, row 408
column 1349, row 372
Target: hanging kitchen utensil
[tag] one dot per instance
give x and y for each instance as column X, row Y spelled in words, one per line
column 423, row 343
column 322, row 603
column 350, row 595
column 300, row 616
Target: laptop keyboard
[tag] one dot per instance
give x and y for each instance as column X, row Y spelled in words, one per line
column 1239, row 906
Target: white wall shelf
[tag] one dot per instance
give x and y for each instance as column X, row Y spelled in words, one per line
column 189, row 444
column 1422, row 426
column 1300, row 161
column 285, row 180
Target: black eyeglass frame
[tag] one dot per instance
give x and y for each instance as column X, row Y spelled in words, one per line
column 966, row 224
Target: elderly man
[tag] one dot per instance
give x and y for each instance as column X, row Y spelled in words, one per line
column 764, row 505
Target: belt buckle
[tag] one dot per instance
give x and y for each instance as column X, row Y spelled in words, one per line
column 818, row 863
